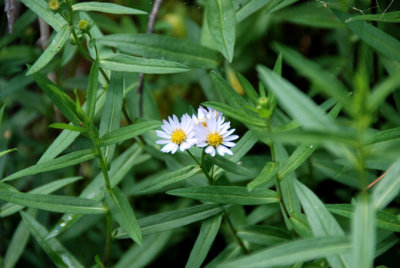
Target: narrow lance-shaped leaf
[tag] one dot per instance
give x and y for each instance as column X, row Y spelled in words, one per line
column 60, row 256
column 126, row 63
column 296, row 103
column 267, row 174
column 204, row 241
column 384, row 219
column 160, row 181
column 292, row 252
column 321, row 221
column 383, row 90
column 92, row 90
column 263, row 235
column 54, row 47
column 373, row 36
column 128, row 132
column 221, row 18
column 55, row 203
column 59, row 98
column 388, row 188
column 174, row 219
column 106, row 8
column 384, row 17
column 163, row 47
column 41, row 8
column 363, row 233
column 18, row 242
column 233, row 167
column 123, row 213
column 10, row 208
column 60, row 162
column 249, row 8
column 111, row 116
column 228, row 195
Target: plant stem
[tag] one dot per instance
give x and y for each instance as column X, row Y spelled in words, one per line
column 194, row 158
column 108, row 240
column 240, row 241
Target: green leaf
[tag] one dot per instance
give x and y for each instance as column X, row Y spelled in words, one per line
column 125, row 63
column 128, row 132
column 58, row 97
column 163, row 47
column 296, row 103
column 7, row 151
column 60, row 256
column 384, row 220
column 123, row 213
column 232, row 167
column 324, row 80
column 111, row 116
column 10, row 208
column 142, row 256
column 267, row 174
column 174, row 219
column 60, row 162
column 18, row 242
column 56, row 203
column 161, row 181
column 384, row 135
column 67, row 126
column 373, row 36
column 363, row 233
column 54, row 47
column 248, row 88
column 106, row 8
column 383, row 17
column 41, row 8
column 292, row 252
column 383, row 90
column 234, row 113
column 91, row 96
column 263, row 235
column 204, row 241
column 94, row 190
column 249, row 8
column 296, row 159
column 321, row 221
column 388, row 187
column 228, row 195
column 221, row 19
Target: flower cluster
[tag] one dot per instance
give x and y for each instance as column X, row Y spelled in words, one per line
column 208, row 129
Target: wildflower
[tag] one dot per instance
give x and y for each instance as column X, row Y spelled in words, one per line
column 203, row 114
column 177, row 135
column 216, row 136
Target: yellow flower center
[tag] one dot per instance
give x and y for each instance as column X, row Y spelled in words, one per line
column 214, row 139
column 178, row 136
column 54, row 5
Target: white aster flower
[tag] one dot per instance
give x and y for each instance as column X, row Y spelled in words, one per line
column 216, row 136
column 204, row 114
column 177, row 134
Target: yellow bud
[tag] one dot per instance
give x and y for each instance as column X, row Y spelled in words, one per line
column 178, row 24
column 54, row 5
column 234, row 81
column 83, row 25
column 263, row 101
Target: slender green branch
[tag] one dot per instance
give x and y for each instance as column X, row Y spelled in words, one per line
column 108, row 240
column 240, row 241
column 194, row 158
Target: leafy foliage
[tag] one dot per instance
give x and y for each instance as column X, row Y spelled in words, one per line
column 312, row 89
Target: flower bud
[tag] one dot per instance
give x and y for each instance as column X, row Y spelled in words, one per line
column 54, row 5
column 262, row 101
column 83, row 25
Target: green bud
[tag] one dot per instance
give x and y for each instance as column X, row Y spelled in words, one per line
column 263, row 101
column 83, row 25
column 54, row 5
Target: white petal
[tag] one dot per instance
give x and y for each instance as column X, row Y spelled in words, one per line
column 166, row 127
column 231, row 138
column 162, row 134
column 163, row 141
column 174, row 148
column 226, row 134
column 202, row 144
column 221, row 150
column 167, row 148
column 210, row 150
column 184, row 146
column 228, row 143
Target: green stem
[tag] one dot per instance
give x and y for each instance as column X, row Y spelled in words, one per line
column 240, row 241
column 108, row 240
column 194, row 158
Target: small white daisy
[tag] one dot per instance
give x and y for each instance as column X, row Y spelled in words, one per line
column 177, row 134
column 216, row 136
column 203, row 114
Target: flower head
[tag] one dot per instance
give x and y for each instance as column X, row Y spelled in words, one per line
column 203, row 114
column 216, row 136
column 177, row 134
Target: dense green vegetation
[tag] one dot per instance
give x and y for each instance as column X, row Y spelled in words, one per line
column 297, row 166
